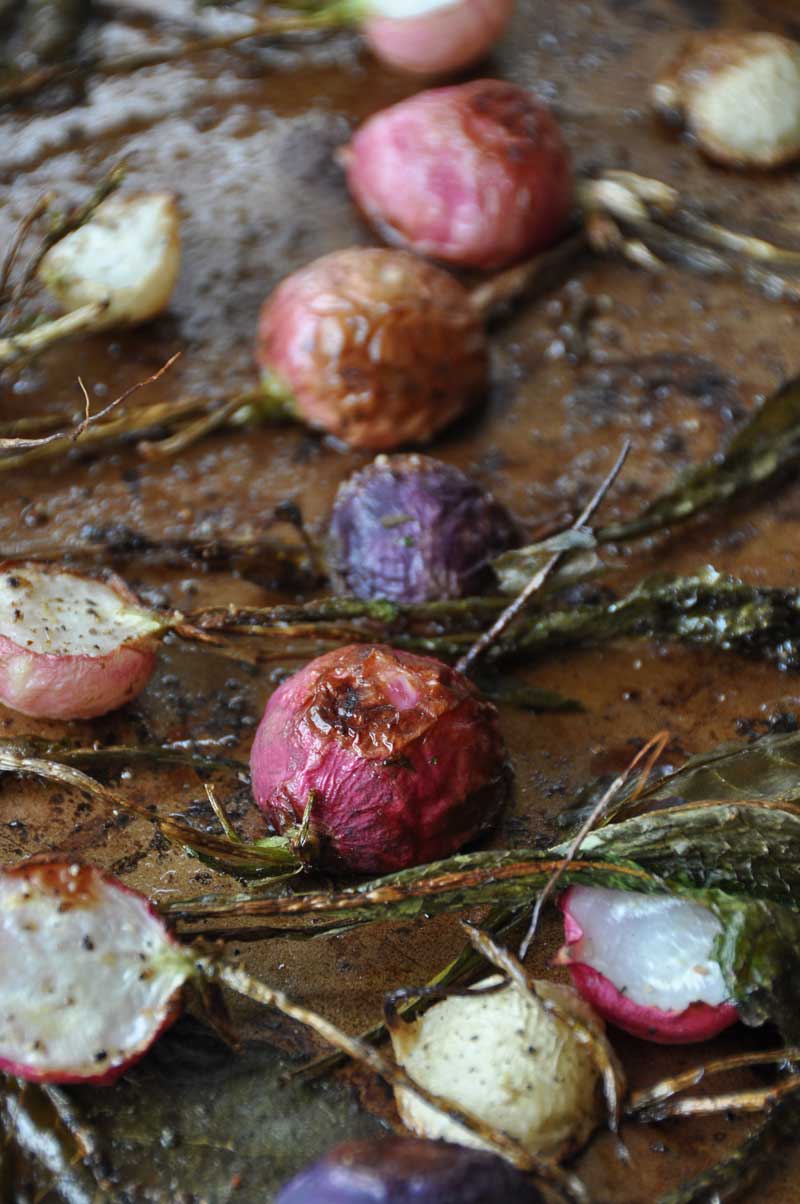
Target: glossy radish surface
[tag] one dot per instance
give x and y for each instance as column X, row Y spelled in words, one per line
column 127, row 255
column 477, row 175
column 429, row 37
column 373, row 346
column 412, row 528
column 646, row 963
column 71, row 647
column 404, row 1170
column 91, row 976
column 404, row 760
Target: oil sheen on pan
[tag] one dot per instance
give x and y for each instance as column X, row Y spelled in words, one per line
column 254, row 281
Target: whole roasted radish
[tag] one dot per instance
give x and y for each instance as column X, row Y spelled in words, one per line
column 399, row 758
column 476, row 175
column 404, row 1170
column 646, row 963
column 374, row 347
column 507, row 1059
column 413, row 529
column 71, row 647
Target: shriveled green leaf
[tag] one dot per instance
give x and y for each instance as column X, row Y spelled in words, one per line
column 749, row 849
column 515, row 568
column 766, row 445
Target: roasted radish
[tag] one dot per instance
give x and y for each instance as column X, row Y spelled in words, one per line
column 429, row 37
column 412, row 529
column 476, row 175
column 739, row 95
column 646, row 963
column 398, row 757
column 125, row 259
column 507, row 1059
column 374, row 347
column 404, row 1170
column 71, row 647
column 92, row 974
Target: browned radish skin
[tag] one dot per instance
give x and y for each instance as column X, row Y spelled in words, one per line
column 373, row 346
column 427, row 37
column 71, row 647
column 103, row 976
column 739, row 94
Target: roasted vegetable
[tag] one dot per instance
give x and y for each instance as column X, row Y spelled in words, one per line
column 646, row 963
column 397, row 756
column 71, row 647
column 403, row 1170
column 374, row 347
column 739, row 94
column 413, row 529
column 476, row 175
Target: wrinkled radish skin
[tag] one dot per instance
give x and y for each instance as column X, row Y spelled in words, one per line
column 127, row 256
column 71, row 647
column 95, row 975
column 428, row 37
column 374, row 347
column 739, row 94
column 645, row 962
column 476, row 175
column 507, row 1060
column 404, row 760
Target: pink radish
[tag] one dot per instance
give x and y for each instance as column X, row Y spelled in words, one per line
column 476, row 175
column 374, row 347
column 402, row 760
column 97, row 974
column 645, row 963
column 71, row 647
column 430, row 37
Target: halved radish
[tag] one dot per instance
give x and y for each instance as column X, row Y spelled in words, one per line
column 432, row 36
column 92, row 973
column 646, row 963
column 71, row 647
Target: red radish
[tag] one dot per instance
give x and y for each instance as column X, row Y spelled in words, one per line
column 71, row 647
column 477, row 175
column 373, row 346
column 427, row 37
column 98, row 975
column 646, row 963
column 402, row 759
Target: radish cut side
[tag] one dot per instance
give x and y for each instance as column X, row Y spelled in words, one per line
column 71, row 647
column 646, row 963
column 92, row 974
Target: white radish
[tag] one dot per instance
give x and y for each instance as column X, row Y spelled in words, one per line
column 71, row 647
column 126, row 259
column 508, row 1060
column 739, row 94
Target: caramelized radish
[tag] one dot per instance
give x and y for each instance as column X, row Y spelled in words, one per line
column 71, row 647
column 646, row 963
column 402, row 760
column 98, row 975
column 374, row 347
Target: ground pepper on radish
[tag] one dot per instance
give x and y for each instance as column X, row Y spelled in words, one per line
column 476, row 175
